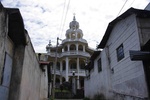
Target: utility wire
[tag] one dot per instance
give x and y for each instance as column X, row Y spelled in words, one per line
column 132, row 3
column 122, row 7
column 65, row 17
column 62, row 17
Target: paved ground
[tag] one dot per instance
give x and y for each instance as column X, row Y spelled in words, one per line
column 68, row 99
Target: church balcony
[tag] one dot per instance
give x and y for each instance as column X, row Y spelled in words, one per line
column 63, row 73
column 70, row 53
column 74, row 40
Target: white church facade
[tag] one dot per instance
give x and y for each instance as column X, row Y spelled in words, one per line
column 70, row 55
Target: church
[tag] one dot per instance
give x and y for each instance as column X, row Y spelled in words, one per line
column 68, row 59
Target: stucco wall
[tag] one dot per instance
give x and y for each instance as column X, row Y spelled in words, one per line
column 99, row 82
column 34, row 83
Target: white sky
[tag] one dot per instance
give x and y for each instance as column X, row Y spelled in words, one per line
column 45, row 19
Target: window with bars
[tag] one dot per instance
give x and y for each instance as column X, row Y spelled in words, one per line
column 120, row 52
column 99, row 65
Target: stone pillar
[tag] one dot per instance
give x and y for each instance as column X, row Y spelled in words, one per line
column 78, row 83
column 68, row 47
column 83, row 48
column 67, row 69
column 62, row 50
column 77, row 47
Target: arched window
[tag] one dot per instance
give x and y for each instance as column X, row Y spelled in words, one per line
column 66, row 48
column 72, row 47
column 73, row 35
column 79, row 35
column 73, row 64
column 80, row 47
column 82, row 64
column 58, row 66
column 64, row 65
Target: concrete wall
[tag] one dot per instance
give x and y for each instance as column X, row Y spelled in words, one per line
column 21, row 77
column 6, row 56
column 99, row 82
column 34, row 84
column 119, row 78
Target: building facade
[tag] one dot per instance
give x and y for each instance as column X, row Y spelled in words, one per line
column 71, row 55
column 120, row 70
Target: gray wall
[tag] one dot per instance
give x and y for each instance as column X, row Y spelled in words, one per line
column 20, row 75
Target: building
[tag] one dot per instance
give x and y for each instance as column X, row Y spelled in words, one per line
column 70, row 55
column 21, row 75
column 120, row 71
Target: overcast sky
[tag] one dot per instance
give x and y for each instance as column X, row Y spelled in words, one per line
column 48, row 19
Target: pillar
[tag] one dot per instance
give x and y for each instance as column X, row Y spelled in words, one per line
column 83, row 48
column 78, row 83
column 68, row 47
column 76, row 47
column 67, row 69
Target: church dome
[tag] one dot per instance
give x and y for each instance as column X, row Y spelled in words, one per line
column 74, row 32
column 74, row 24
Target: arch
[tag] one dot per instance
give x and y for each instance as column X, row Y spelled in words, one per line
column 73, row 64
column 80, row 47
column 58, row 66
column 72, row 47
column 79, row 36
column 82, row 64
column 64, row 65
column 65, row 48
column 73, row 35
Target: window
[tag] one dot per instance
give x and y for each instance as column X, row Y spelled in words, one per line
column 120, row 52
column 99, row 65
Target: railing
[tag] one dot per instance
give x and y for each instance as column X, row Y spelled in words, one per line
column 73, row 40
column 70, row 53
column 63, row 73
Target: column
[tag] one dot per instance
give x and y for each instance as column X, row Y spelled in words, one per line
column 78, row 83
column 60, row 72
column 68, row 47
column 62, row 50
column 83, row 48
column 67, row 69
column 77, row 47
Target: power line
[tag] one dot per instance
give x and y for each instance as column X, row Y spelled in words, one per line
column 122, row 7
column 62, row 17
column 132, row 3
column 65, row 17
